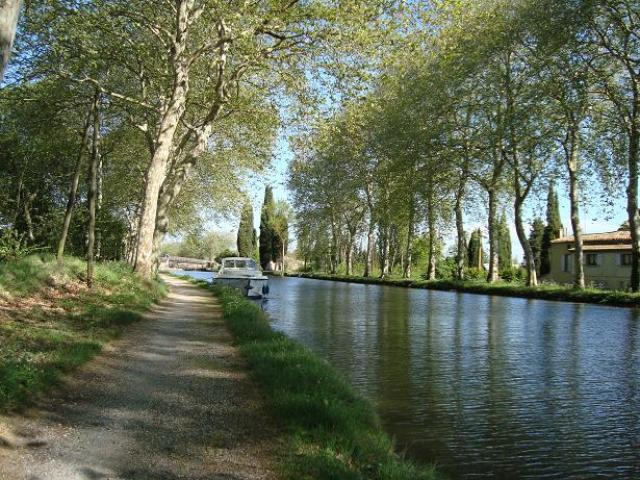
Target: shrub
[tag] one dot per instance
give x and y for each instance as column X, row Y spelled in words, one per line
column 13, row 245
column 475, row 274
column 513, row 274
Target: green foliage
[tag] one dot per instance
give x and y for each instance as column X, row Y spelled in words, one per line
column 267, row 234
column 474, row 251
column 536, row 238
column 13, row 245
column 552, row 230
column 446, row 268
column 475, row 274
column 333, row 432
column 513, row 274
column 280, row 229
column 39, row 346
column 246, row 233
column 207, row 246
column 225, row 254
column 505, row 258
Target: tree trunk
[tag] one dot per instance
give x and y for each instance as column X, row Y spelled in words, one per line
column 93, row 190
column 19, row 188
column 385, row 251
column 431, row 220
column 492, row 276
column 632, row 204
column 157, row 171
column 349, row 251
column 334, row 246
column 73, row 189
column 98, row 210
column 520, row 197
column 573, row 167
column 27, row 216
column 156, row 175
column 368, row 264
column 131, row 242
column 529, row 258
column 461, row 248
column 410, row 232
column 431, row 264
column 172, row 186
column 9, row 12
column 284, row 265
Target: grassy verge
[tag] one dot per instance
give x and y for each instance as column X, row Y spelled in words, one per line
column 543, row 292
column 50, row 323
column 333, row 432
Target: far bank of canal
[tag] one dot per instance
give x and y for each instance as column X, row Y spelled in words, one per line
column 484, row 386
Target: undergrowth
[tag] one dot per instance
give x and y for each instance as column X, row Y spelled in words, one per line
column 50, row 323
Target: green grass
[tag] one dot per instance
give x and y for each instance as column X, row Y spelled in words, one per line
column 543, row 292
column 51, row 324
column 333, row 432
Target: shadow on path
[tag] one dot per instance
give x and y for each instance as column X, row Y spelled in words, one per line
column 171, row 400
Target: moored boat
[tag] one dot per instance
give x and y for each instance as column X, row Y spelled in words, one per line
column 244, row 274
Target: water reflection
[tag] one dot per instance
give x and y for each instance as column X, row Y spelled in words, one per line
column 486, row 387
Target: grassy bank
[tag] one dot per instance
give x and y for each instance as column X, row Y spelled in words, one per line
column 334, row 433
column 543, row 292
column 50, row 323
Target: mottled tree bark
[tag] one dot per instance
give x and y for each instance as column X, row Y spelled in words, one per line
column 632, row 204
column 572, row 156
column 9, row 12
column 157, row 171
column 493, row 274
column 431, row 221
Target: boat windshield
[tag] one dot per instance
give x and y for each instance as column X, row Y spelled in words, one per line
column 240, row 263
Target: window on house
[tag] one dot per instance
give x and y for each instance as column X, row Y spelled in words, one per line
column 592, row 259
column 625, row 259
column 566, row 264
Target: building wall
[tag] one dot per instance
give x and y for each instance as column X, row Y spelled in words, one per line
column 610, row 273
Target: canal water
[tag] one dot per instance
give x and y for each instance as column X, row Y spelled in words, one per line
column 485, row 387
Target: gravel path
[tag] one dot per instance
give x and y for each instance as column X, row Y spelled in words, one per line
column 170, row 400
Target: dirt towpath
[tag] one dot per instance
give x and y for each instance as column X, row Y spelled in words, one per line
column 170, row 400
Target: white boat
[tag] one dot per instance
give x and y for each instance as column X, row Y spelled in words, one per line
column 244, row 274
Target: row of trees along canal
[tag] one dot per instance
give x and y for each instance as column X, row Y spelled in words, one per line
column 146, row 113
column 501, row 100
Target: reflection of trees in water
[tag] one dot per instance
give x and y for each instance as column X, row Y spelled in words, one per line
column 631, row 380
column 504, row 430
column 394, row 352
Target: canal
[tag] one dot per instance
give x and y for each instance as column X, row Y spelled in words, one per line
column 485, row 387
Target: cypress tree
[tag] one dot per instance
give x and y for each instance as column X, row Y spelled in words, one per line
column 552, row 230
column 280, row 237
column 535, row 240
column 246, row 233
column 266, row 229
column 504, row 243
column 474, row 250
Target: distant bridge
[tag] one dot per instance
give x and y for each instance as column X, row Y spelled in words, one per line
column 170, row 262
